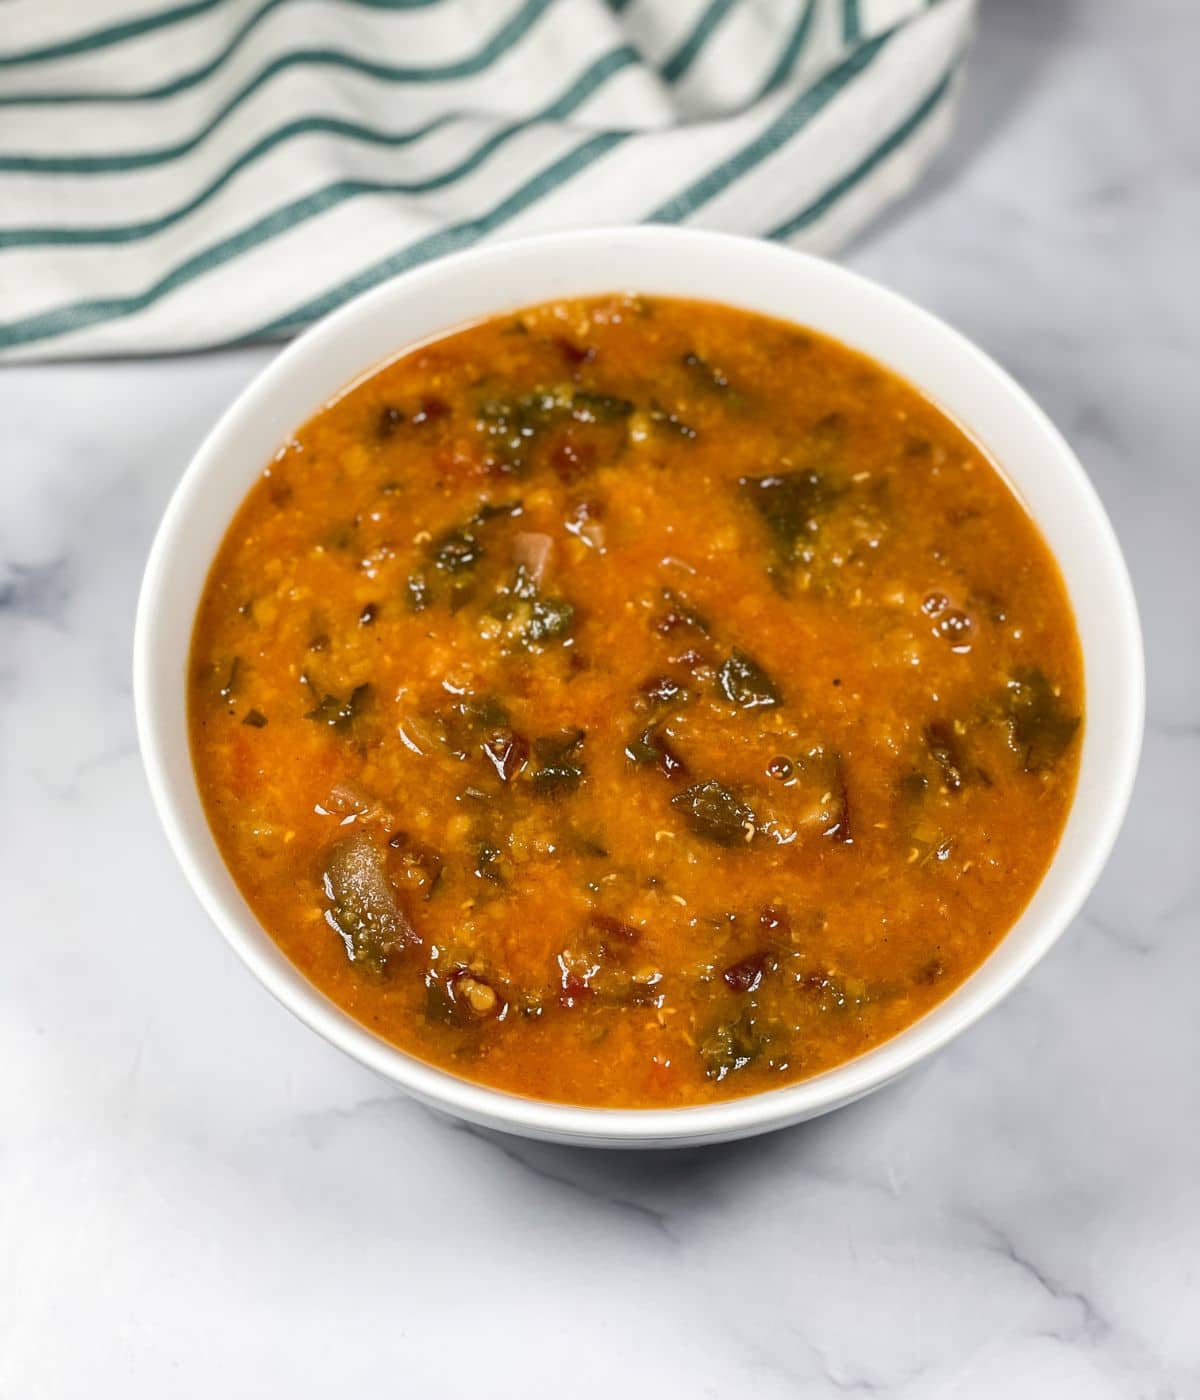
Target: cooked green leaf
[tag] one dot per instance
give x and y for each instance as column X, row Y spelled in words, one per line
column 341, row 714
column 599, row 408
column 946, row 751
column 670, row 422
column 706, row 375
column 551, row 620
column 513, row 424
column 229, row 689
column 715, row 812
column 791, row 505
column 1040, row 727
column 744, row 682
column 651, row 746
column 558, row 766
column 733, row 1044
column 533, row 619
column 680, row 613
column 489, row 863
column 456, row 550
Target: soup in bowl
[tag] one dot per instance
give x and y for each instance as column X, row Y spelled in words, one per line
column 646, row 698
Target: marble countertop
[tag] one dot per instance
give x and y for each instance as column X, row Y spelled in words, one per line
column 199, row 1197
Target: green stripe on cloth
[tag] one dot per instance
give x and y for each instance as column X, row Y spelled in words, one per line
column 288, row 215
column 505, row 37
column 141, row 160
column 324, row 184
column 113, row 34
column 687, row 52
column 448, row 240
column 895, row 139
column 604, row 67
column 62, row 319
column 162, row 19
column 796, row 115
column 851, row 22
column 299, row 211
column 793, row 50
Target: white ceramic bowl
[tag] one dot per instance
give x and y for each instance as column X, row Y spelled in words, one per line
column 668, row 262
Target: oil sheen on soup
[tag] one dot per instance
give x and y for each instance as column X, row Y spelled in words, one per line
column 634, row 702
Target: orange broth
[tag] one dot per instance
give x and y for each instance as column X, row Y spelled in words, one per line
column 635, row 702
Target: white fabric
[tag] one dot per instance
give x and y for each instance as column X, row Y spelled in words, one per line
column 223, row 170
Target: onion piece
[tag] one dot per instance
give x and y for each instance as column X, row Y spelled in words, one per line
column 348, row 798
column 532, row 550
column 364, row 909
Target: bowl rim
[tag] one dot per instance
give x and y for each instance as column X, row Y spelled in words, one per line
column 725, row 1119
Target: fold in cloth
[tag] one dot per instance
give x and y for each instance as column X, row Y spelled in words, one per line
column 216, row 171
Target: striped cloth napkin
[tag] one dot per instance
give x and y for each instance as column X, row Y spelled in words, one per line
column 220, row 171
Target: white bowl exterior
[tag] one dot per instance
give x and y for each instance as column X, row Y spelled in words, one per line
column 665, row 262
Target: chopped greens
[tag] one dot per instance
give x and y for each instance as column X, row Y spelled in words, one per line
column 460, row 548
column 652, row 747
column 341, row 536
column 390, row 418
column 599, row 408
column 496, row 510
column 440, row 1008
column 824, row 439
column 456, row 550
column 532, row 620
column 468, row 722
column 489, row 864
column 656, row 665
column 705, row 374
column 791, row 505
column 550, row 620
column 670, row 422
column 715, row 812
column 832, row 993
column 593, row 966
column 733, row 1044
column 513, row 424
column 680, row 613
column 912, row 787
column 559, row 769
column 1040, row 727
column 229, row 689
column 947, row 753
column 483, row 709
column 580, row 843
column 507, row 752
column 744, row 682
column 341, row 714
column 664, row 690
